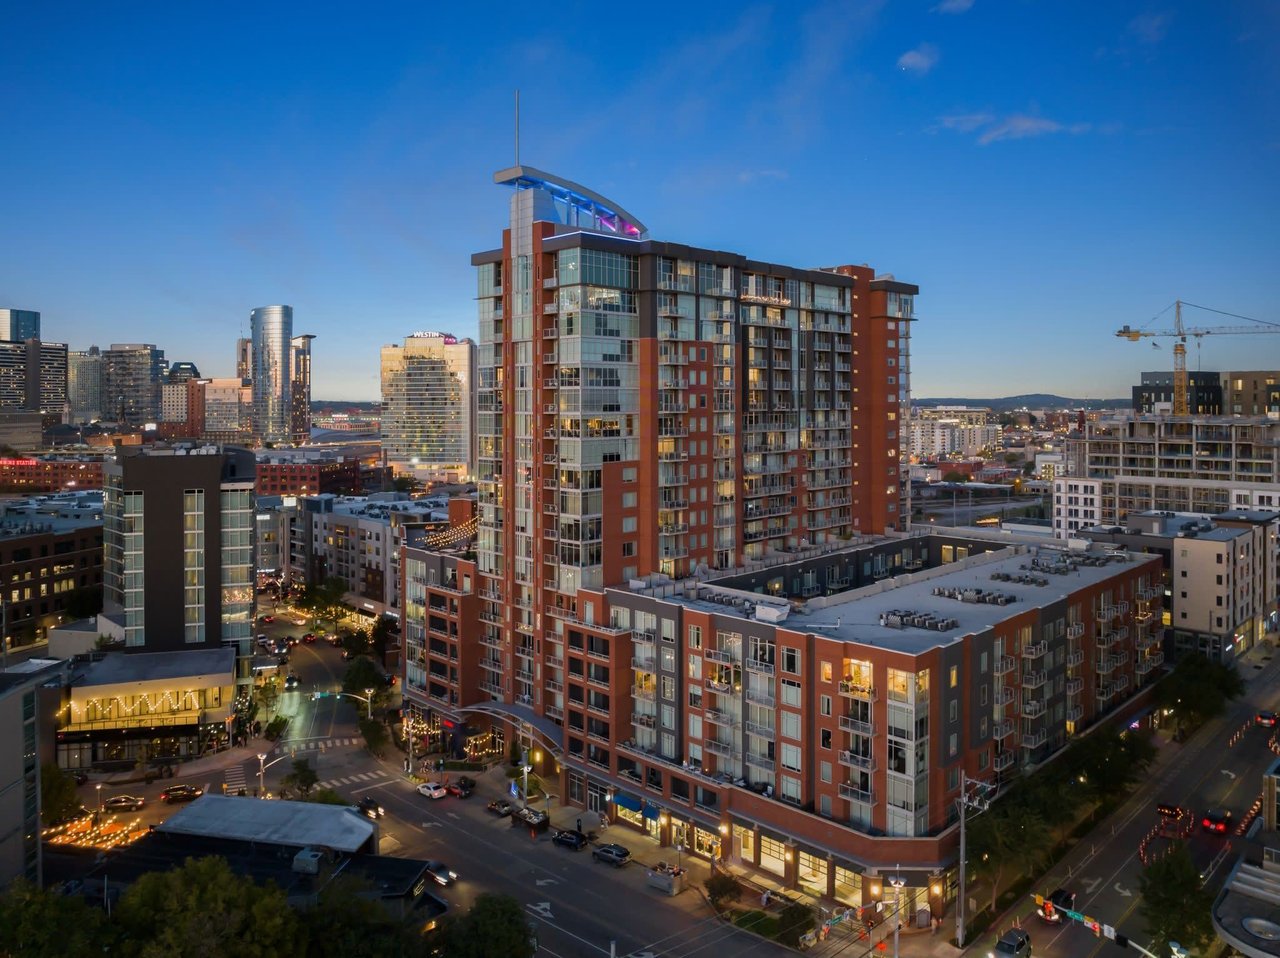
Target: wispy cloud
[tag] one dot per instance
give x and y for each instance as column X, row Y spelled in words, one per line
column 920, row 60
column 953, row 6
column 1149, row 28
column 1016, row 126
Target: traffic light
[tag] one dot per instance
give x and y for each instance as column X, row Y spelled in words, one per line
column 1048, row 910
column 1121, row 940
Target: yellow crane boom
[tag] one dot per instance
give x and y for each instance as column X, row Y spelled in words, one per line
column 1181, row 332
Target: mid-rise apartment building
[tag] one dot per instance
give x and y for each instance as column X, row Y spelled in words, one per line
column 178, row 541
column 810, row 718
column 281, row 475
column 44, row 558
column 934, row 437
column 1155, row 393
column 428, row 406
column 37, row 474
column 1251, row 393
column 33, row 376
column 1132, row 464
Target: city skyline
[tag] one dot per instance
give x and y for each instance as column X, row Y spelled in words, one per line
column 1045, row 178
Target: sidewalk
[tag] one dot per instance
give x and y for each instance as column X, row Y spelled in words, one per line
column 193, row 769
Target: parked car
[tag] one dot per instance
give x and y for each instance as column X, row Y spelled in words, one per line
column 432, row 790
column 500, row 807
column 124, row 803
column 442, row 873
column 458, row 789
column 615, row 855
column 369, row 806
column 181, row 793
column 80, row 776
column 1014, row 943
column 309, row 638
column 466, row 781
column 1216, row 820
column 390, row 679
column 1051, row 910
column 266, row 619
column 299, row 620
column 570, row 839
column 1266, row 719
column 263, row 641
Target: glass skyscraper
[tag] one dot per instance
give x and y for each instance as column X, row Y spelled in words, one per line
column 428, row 405
column 271, row 371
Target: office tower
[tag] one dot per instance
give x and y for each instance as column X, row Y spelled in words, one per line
column 19, row 325
column 428, row 403
column 300, row 389
column 84, row 384
column 228, row 411
column 33, row 376
column 131, row 378
column 244, row 358
column 270, row 371
column 178, row 548
column 173, row 402
column 181, row 372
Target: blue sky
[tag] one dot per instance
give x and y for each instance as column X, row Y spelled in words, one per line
column 1046, row 172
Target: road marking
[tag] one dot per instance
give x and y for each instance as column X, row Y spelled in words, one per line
column 545, row 881
column 234, row 777
column 432, row 825
column 1122, row 891
column 357, row 791
column 1230, row 774
column 1090, row 884
column 542, row 909
column 453, row 814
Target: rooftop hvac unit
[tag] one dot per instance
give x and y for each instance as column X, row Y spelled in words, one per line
column 307, row 862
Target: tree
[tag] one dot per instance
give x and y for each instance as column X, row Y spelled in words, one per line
column 1174, row 905
column 375, row 735
column 722, row 887
column 362, row 675
column 39, row 923
column 324, row 599
column 203, row 909
column 990, row 843
column 357, row 641
column 348, row 921
column 794, row 921
column 955, row 476
column 326, row 796
column 1197, row 690
column 303, row 778
column 268, row 696
column 403, row 483
column 1114, row 760
column 495, row 925
column 58, row 797
column 380, row 637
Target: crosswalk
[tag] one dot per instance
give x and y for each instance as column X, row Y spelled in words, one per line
column 233, row 776
column 315, row 744
column 373, row 776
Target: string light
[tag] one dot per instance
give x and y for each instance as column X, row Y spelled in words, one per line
column 455, row 535
column 170, row 701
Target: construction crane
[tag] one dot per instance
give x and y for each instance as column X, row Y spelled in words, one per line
column 1181, row 332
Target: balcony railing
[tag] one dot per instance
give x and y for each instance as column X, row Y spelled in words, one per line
column 1035, row 650
column 856, row 690
column 1005, row 664
column 1002, row 761
column 1075, row 686
column 1035, row 739
column 855, row 794
column 1075, row 630
column 850, row 724
column 1032, row 708
column 1075, row 658
column 1002, row 730
column 854, row 760
column 1034, row 680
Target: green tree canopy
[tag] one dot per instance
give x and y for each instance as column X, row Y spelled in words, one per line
column 348, row 921
column 361, row 675
column 955, row 476
column 39, row 923
column 58, row 797
column 203, row 910
column 1198, row 690
column 303, row 778
column 1174, row 905
column 376, row 737
column 495, row 925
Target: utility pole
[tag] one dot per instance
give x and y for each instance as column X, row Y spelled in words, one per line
column 973, row 795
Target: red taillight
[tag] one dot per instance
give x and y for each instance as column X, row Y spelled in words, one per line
column 1207, row 823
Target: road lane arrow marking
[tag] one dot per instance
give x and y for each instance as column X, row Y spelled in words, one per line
column 541, row 908
column 1122, row 891
column 545, row 881
column 643, row 954
column 431, row 825
column 453, row 814
column 1230, row 774
column 1090, row 884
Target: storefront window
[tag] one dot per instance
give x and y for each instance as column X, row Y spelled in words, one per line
column 813, row 873
column 773, row 855
column 848, row 886
column 744, row 839
column 705, row 842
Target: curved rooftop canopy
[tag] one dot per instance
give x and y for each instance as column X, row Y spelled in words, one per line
column 575, row 205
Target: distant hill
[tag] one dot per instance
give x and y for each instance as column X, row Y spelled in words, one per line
column 1030, row 401
column 342, row 405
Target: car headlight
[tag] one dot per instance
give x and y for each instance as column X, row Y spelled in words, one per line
column 453, row 875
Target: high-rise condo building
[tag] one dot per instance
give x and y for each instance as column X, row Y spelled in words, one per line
column 300, row 389
column 84, row 385
column 19, row 325
column 178, row 548
column 33, row 376
column 244, row 358
column 131, row 378
column 270, row 370
column 428, row 405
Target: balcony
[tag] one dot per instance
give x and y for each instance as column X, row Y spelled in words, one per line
column 1075, row 630
column 1075, row 686
column 1106, row 692
column 644, row 663
column 1005, row 664
column 644, row 694
column 1107, row 639
column 1002, row 730
column 644, row 720
column 1106, row 613
column 1107, row 664
column 761, row 697
column 1035, row 650
column 1035, row 739
column 760, row 731
column 854, row 760
column 553, row 712
column 855, row 794
column 760, row 762
column 856, row 690
column 850, row 724
column 1033, row 708
column 1004, row 695
column 718, row 717
column 1075, row 658
column 723, row 749
column 1002, row 761
column 723, row 656
column 758, row 665
column 1034, row 680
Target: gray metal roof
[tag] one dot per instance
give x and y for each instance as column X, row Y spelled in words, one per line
column 294, row 824
column 118, row 668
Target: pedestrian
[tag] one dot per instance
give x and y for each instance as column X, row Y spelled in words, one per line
column 764, row 899
column 579, row 826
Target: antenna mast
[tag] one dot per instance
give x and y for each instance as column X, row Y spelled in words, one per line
column 517, row 127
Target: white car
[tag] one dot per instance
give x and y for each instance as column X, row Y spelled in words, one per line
column 299, row 620
column 432, row 790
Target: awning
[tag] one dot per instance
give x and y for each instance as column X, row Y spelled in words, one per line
column 626, row 801
column 652, row 811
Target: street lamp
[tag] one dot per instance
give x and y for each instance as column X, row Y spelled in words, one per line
column 99, row 788
column 369, row 701
column 524, row 765
column 897, row 884
column 262, row 771
column 973, row 794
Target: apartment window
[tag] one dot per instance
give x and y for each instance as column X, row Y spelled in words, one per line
column 954, row 709
column 954, row 676
column 628, row 500
column 825, row 669
column 825, row 738
column 790, row 757
column 695, row 726
column 791, row 693
column 791, row 661
column 824, row 704
column 790, row 725
column 629, row 524
column 629, row 475
column 953, row 745
column 695, row 636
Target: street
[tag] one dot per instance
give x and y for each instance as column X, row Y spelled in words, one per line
column 1216, row 768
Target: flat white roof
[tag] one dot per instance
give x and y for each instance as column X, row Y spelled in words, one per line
column 296, row 824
